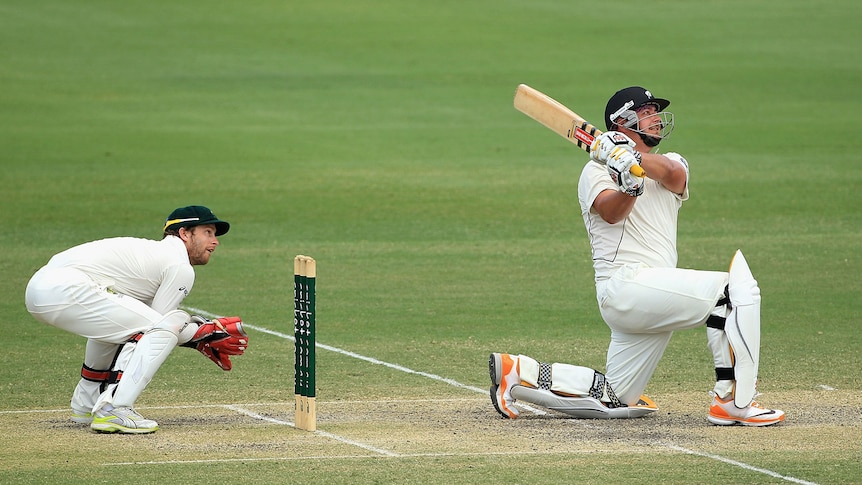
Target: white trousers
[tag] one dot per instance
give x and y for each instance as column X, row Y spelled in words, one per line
column 643, row 306
column 70, row 300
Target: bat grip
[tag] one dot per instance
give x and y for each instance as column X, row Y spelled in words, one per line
column 637, row 171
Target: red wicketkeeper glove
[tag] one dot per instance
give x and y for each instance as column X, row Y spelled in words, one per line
column 219, row 339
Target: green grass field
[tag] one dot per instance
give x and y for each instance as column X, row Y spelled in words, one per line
column 379, row 137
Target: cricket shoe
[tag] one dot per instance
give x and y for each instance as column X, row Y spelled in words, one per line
column 82, row 417
column 725, row 413
column 504, row 374
column 121, row 419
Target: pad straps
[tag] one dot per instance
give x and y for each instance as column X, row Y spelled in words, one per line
column 724, row 374
column 94, row 375
column 108, row 376
column 725, row 298
column 600, row 386
column 714, row 321
column 544, row 376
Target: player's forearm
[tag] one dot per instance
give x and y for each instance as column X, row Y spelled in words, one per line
column 665, row 171
column 176, row 284
column 613, row 206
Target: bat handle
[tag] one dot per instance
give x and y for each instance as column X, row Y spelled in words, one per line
column 637, row 171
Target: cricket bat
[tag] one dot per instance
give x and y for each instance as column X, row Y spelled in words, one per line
column 560, row 119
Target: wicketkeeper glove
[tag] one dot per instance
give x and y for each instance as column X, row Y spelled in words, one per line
column 219, row 339
column 619, row 166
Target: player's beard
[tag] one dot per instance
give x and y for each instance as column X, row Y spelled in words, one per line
column 198, row 254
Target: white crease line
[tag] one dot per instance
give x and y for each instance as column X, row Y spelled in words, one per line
column 737, row 463
column 322, row 433
column 344, row 457
column 233, row 460
column 372, row 360
column 249, row 405
column 476, row 389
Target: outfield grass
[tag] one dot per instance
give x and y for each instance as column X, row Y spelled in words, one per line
column 379, row 136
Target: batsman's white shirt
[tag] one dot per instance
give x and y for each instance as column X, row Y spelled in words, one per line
column 112, row 288
column 647, row 235
column 642, row 296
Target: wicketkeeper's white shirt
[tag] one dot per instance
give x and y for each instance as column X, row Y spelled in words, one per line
column 157, row 273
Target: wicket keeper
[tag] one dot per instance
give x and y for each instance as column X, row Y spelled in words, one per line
column 122, row 294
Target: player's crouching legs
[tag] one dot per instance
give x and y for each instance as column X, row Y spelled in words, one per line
column 116, row 413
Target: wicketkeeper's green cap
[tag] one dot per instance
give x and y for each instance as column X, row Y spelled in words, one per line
column 195, row 215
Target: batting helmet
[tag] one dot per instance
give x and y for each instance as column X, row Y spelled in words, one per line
column 624, row 103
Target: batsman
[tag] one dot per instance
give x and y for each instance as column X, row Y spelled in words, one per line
column 642, row 296
column 123, row 295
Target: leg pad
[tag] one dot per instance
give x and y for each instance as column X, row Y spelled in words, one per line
column 582, row 407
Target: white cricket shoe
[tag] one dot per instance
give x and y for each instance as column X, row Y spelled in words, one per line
column 725, row 413
column 82, row 417
column 121, row 419
column 504, row 375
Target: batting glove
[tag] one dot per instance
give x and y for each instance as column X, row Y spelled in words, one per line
column 604, row 144
column 620, row 162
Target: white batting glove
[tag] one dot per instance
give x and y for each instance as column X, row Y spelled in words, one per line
column 620, row 162
column 602, row 146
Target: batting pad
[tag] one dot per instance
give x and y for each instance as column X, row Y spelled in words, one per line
column 743, row 329
column 577, row 381
column 572, row 380
column 582, row 407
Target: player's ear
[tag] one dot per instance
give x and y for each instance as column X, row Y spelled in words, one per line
column 185, row 234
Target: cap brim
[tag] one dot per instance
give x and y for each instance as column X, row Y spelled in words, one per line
column 661, row 102
column 222, row 227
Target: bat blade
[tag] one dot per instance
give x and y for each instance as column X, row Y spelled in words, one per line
column 555, row 116
column 560, row 119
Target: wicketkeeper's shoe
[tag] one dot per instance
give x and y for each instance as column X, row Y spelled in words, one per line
column 504, row 374
column 725, row 413
column 83, row 417
column 123, row 419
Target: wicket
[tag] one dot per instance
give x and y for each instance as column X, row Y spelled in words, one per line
column 304, row 275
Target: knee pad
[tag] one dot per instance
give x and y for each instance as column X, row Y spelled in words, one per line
column 175, row 322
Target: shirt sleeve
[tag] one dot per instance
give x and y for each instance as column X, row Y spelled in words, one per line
column 679, row 159
column 594, row 180
column 177, row 282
